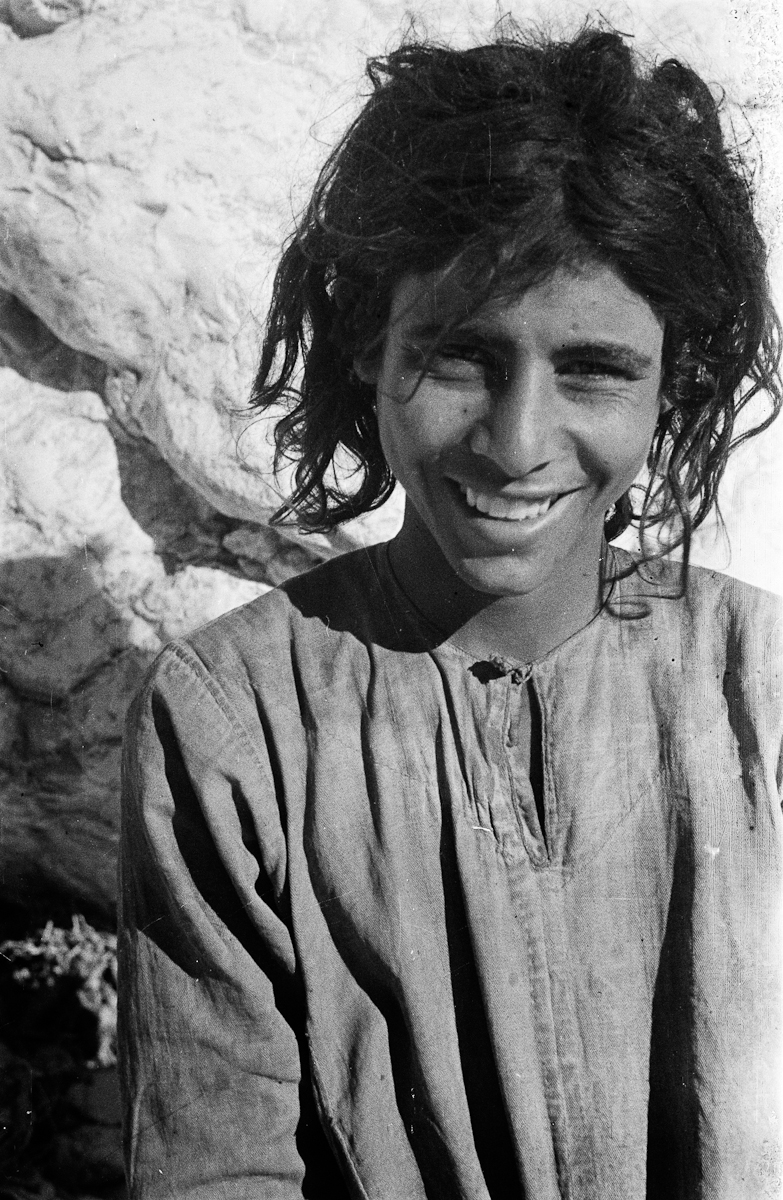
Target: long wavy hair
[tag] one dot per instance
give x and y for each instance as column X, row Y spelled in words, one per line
column 506, row 161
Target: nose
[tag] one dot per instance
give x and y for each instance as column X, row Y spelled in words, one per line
column 517, row 429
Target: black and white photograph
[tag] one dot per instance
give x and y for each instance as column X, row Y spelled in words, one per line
column 391, row 600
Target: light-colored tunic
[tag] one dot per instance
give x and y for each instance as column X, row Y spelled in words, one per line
column 348, row 946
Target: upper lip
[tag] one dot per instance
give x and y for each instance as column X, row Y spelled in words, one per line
column 514, row 490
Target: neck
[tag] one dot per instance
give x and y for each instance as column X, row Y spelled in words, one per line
column 523, row 627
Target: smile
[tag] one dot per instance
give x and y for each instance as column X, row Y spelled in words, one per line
column 507, row 508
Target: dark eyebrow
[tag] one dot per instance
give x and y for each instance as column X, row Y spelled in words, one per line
column 435, row 331
column 616, row 354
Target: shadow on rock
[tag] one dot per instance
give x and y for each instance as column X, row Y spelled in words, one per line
column 68, row 673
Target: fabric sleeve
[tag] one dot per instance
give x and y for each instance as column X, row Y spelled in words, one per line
column 210, row 1017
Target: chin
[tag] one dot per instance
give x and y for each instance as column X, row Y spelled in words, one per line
column 494, row 576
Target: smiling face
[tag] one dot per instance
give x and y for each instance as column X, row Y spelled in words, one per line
column 514, row 429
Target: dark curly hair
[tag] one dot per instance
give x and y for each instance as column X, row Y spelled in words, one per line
column 509, row 160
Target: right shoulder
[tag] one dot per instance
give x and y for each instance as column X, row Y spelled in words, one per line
column 261, row 653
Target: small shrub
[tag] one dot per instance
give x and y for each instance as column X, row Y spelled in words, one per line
column 81, row 957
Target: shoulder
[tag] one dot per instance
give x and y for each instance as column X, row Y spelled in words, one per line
column 742, row 626
column 743, row 618
column 718, row 623
column 709, row 596
column 316, row 601
column 266, row 647
column 241, row 681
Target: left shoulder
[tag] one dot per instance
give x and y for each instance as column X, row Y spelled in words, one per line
column 717, row 624
column 739, row 608
column 737, row 627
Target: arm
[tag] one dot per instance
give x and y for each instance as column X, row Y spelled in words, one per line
column 210, row 1019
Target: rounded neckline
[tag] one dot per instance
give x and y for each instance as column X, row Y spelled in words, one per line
column 436, row 641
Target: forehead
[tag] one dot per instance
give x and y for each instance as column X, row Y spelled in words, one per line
column 589, row 303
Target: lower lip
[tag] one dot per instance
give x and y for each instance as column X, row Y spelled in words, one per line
column 503, row 528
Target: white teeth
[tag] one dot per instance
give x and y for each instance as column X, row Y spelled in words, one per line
column 506, row 509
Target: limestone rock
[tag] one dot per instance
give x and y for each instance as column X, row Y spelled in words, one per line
column 31, row 18
column 275, row 554
column 140, row 227
column 121, row 227
column 192, row 597
column 87, row 597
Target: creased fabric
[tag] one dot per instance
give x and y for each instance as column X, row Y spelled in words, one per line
column 354, row 963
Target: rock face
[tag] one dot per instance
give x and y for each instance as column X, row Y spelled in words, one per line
column 87, row 601
column 151, row 156
column 140, row 232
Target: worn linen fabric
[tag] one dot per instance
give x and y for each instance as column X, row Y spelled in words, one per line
column 352, row 961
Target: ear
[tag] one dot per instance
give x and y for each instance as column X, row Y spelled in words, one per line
column 367, row 368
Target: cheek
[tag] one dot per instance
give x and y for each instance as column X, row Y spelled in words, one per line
column 415, row 431
column 400, row 447
column 619, row 449
column 644, row 427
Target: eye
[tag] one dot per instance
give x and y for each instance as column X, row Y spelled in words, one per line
column 460, row 362
column 595, row 375
column 594, row 368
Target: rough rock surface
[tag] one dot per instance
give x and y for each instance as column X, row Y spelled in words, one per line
column 87, row 601
column 142, row 198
